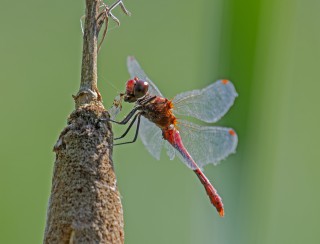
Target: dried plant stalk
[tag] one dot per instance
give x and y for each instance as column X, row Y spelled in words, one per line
column 85, row 205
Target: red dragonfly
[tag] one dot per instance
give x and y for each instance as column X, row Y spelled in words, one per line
column 195, row 145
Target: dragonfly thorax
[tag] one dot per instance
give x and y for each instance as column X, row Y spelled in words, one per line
column 171, row 127
column 158, row 111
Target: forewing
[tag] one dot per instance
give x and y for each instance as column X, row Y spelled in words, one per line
column 116, row 107
column 208, row 104
column 207, row 144
column 150, row 134
column 135, row 70
column 151, row 137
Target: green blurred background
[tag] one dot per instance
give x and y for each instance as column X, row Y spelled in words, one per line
column 268, row 48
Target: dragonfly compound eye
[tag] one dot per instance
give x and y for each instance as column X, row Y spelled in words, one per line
column 130, row 86
column 140, row 88
column 129, row 95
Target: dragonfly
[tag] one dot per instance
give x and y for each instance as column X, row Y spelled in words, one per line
column 158, row 126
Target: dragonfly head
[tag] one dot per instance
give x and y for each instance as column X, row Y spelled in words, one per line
column 135, row 89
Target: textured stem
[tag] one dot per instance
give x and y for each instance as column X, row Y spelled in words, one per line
column 85, row 205
column 88, row 87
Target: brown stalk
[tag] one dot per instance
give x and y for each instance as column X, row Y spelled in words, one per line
column 85, row 205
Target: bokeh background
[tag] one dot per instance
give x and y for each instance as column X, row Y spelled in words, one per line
column 268, row 48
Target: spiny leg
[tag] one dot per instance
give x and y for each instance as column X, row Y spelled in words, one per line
column 127, row 118
column 136, row 135
column 129, row 127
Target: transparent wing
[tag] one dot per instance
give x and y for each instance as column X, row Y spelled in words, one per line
column 135, row 70
column 150, row 134
column 114, row 111
column 116, row 107
column 208, row 104
column 151, row 137
column 171, row 152
column 207, row 144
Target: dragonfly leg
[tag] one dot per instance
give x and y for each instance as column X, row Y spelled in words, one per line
column 137, row 132
column 129, row 127
column 127, row 118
